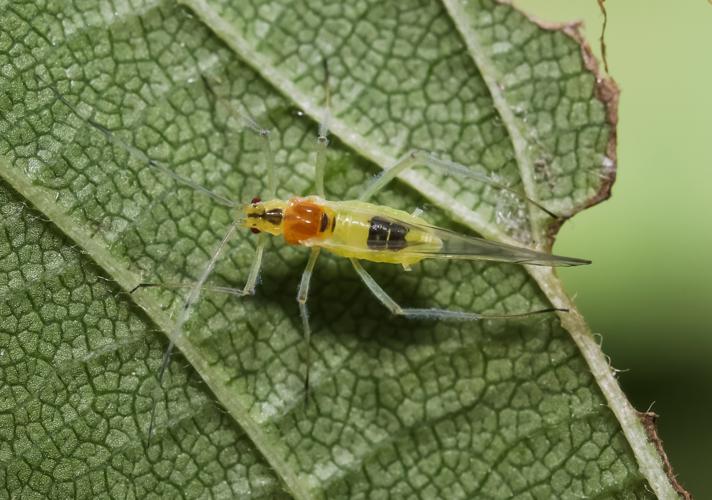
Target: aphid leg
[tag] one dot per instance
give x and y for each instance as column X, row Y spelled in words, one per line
column 410, row 160
column 254, row 274
column 193, row 296
column 216, row 289
column 268, row 154
column 302, row 296
column 416, row 158
column 322, row 140
column 436, row 314
column 183, row 316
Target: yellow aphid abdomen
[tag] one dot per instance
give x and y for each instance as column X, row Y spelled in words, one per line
column 375, row 233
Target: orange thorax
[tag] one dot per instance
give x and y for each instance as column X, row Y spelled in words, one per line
column 304, row 219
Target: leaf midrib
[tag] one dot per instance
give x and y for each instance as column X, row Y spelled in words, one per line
column 97, row 251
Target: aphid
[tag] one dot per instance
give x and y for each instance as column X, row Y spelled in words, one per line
column 354, row 229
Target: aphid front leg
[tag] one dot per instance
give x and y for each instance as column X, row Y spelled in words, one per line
column 435, row 314
column 184, row 314
column 194, row 294
column 302, row 296
column 199, row 285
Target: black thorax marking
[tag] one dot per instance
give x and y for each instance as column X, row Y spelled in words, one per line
column 385, row 234
column 273, row 216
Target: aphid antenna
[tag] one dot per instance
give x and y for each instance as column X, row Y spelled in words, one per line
column 248, row 120
column 264, row 134
column 140, row 155
column 197, row 287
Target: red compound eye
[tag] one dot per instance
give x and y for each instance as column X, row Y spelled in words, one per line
column 255, row 230
column 256, row 199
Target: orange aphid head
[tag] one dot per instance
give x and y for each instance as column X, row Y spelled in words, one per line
column 264, row 216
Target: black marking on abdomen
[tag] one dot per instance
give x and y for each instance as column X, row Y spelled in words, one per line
column 385, row 234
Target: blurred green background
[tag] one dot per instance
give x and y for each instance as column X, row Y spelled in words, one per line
column 649, row 290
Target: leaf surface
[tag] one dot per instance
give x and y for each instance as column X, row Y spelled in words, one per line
column 451, row 410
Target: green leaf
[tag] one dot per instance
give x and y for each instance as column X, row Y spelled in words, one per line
column 494, row 409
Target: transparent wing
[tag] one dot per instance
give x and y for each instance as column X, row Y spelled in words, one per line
column 459, row 246
column 401, row 234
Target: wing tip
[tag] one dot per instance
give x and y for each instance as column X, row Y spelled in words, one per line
column 574, row 261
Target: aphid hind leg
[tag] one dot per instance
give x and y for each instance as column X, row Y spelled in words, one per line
column 416, row 158
column 434, row 314
column 302, row 296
